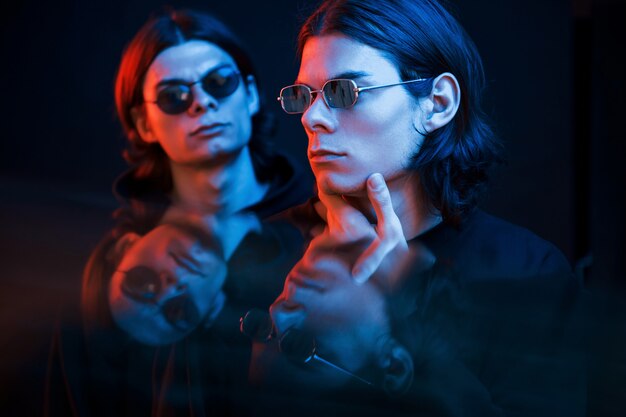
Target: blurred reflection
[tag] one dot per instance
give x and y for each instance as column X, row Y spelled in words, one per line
column 348, row 324
column 443, row 340
column 192, row 250
column 168, row 282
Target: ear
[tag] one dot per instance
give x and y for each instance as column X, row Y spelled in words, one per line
column 441, row 105
column 253, row 95
column 397, row 369
column 140, row 120
column 123, row 244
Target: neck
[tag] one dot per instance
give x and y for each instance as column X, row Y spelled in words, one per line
column 232, row 229
column 225, row 187
column 410, row 204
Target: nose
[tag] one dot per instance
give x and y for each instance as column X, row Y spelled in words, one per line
column 202, row 101
column 174, row 281
column 318, row 117
column 286, row 315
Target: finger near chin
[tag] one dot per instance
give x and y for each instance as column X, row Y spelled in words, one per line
column 379, row 196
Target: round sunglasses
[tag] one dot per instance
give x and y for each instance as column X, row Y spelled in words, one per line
column 338, row 94
column 176, row 97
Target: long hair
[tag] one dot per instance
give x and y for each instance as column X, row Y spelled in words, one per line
column 424, row 40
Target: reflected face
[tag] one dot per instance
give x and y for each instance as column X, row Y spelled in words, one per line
column 375, row 135
column 349, row 321
column 166, row 285
column 211, row 127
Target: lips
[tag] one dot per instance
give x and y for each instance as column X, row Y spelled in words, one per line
column 181, row 312
column 301, row 281
column 210, row 130
column 323, row 155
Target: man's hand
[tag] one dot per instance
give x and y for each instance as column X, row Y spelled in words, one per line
column 347, row 225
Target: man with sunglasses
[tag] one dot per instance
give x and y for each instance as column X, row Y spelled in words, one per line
column 389, row 94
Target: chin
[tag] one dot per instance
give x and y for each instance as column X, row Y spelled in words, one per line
column 341, row 186
column 216, row 157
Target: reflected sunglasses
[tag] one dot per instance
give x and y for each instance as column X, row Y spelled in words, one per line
column 338, row 94
column 143, row 284
column 177, row 97
column 299, row 346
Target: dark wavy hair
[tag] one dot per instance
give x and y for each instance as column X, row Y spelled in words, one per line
column 424, row 40
column 172, row 28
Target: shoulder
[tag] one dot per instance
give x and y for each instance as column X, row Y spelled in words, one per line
column 485, row 245
column 302, row 216
column 289, row 187
column 143, row 202
column 523, row 245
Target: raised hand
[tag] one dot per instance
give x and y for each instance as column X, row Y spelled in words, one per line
column 347, row 225
column 389, row 235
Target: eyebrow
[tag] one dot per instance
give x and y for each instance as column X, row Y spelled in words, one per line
column 350, row 75
column 184, row 260
column 174, row 81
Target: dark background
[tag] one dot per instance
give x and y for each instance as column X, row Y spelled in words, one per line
column 556, row 92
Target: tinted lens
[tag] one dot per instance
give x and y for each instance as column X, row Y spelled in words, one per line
column 295, row 98
column 340, row 93
column 174, row 99
column 221, row 83
column 141, row 284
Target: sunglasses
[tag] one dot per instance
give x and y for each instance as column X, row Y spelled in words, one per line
column 177, row 97
column 338, row 94
column 143, row 284
column 299, row 346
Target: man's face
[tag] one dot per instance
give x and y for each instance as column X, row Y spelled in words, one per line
column 201, row 133
column 165, row 286
column 377, row 134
